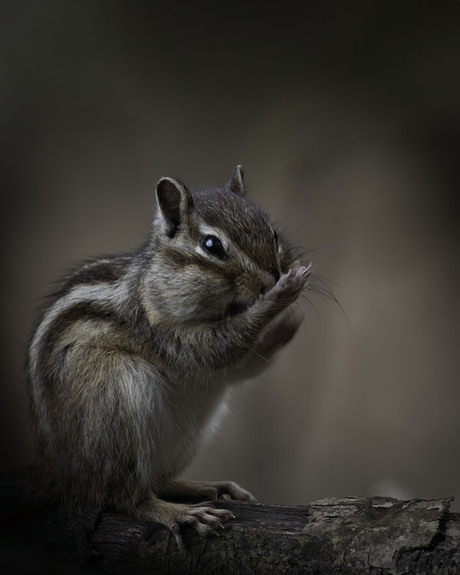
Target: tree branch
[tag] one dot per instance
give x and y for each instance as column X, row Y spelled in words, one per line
column 347, row 536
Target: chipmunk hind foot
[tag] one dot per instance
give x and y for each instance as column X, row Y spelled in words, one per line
column 204, row 517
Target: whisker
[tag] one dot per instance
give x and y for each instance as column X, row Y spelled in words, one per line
column 259, row 355
column 289, row 229
column 299, row 308
column 323, row 290
column 315, row 250
column 226, row 308
column 305, row 224
column 314, row 308
column 318, row 285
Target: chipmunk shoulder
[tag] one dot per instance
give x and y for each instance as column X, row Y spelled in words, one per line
column 134, row 354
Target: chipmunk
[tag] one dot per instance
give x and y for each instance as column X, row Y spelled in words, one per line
column 135, row 354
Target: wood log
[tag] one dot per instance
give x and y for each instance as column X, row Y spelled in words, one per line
column 353, row 535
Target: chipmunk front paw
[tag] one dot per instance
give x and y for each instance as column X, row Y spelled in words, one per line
column 212, row 490
column 289, row 286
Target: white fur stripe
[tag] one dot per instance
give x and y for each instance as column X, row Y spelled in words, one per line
column 107, row 293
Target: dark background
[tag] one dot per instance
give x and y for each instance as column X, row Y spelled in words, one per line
column 346, row 117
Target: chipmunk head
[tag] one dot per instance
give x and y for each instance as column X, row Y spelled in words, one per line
column 214, row 251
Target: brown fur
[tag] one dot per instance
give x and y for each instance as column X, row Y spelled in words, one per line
column 135, row 354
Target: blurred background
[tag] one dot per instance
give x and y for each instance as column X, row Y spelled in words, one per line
column 346, row 118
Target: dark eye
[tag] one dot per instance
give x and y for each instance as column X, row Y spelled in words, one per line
column 213, row 246
column 275, row 237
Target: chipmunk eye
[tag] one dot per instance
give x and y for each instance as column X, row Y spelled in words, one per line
column 213, row 246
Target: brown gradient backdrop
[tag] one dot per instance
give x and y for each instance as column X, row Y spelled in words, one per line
column 346, row 117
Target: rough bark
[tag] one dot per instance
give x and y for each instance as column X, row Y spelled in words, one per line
column 331, row 536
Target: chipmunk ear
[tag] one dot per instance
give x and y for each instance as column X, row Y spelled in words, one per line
column 236, row 182
column 174, row 201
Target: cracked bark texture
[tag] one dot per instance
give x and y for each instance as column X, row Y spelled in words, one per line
column 331, row 536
